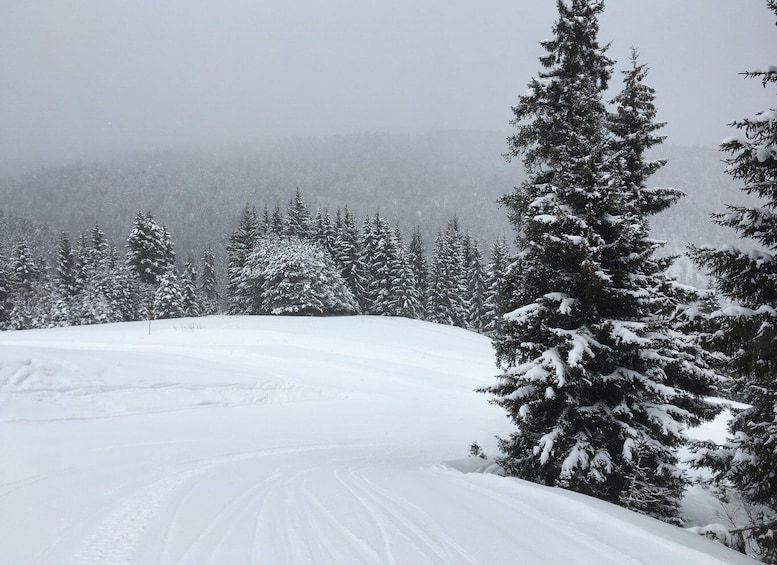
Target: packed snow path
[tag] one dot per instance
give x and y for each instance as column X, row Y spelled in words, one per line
column 280, row 440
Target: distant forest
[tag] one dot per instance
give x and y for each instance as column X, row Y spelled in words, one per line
column 411, row 180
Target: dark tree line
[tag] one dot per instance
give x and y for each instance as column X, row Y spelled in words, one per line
column 280, row 262
column 370, row 268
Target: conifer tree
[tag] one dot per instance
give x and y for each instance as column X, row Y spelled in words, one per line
column 276, row 221
column 99, row 250
column 67, row 274
column 446, row 300
column 597, row 386
column 149, row 249
column 24, row 269
column 298, row 221
column 747, row 331
column 241, row 243
column 324, row 234
column 347, row 254
column 416, row 258
column 406, row 300
column 5, row 294
column 366, row 276
column 385, row 267
column 190, row 298
column 475, row 278
column 495, row 274
column 209, row 285
column 168, row 298
column 292, row 276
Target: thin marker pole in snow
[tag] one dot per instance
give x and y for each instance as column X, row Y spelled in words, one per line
column 149, row 323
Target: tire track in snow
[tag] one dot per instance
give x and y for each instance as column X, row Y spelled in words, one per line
column 114, row 541
column 205, row 542
column 417, row 525
column 388, row 553
column 365, row 553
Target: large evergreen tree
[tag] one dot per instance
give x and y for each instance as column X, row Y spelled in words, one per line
column 67, row 269
column 348, row 253
column 747, row 331
column 168, row 298
column 446, row 297
column 495, row 277
column 241, row 244
column 292, row 277
column 298, row 221
column 149, row 249
column 209, row 284
column 597, row 386
column 416, row 258
column 191, row 305
column 475, row 279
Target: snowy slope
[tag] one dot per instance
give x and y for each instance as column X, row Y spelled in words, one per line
column 280, row 440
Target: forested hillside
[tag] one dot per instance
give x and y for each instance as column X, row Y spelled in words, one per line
column 411, row 179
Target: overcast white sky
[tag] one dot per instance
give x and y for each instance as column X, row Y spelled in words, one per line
column 85, row 77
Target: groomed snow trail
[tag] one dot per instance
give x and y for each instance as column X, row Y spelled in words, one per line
column 280, row 440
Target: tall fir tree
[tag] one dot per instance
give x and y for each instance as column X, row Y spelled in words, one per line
column 324, row 234
column 149, row 249
column 67, row 269
column 298, row 221
column 5, row 293
column 416, row 258
column 209, row 285
column 347, row 253
column 475, row 279
column 241, row 244
column 190, row 297
column 446, row 298
column 276, row 221
column 168, row 298
column 746, row 332
column 495, row 284
column 585, row 380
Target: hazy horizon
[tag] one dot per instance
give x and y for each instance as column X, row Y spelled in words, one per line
column 95, row 78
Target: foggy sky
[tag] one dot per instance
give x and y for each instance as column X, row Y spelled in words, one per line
column 85, row 78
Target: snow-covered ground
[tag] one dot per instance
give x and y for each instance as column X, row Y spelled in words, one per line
column 235, row 440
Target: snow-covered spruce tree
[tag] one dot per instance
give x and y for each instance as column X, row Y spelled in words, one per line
column 293, row 277
column 5, row 294
column 347, row 254
column 324, row 234
column 475, row 278
column 405, row 297
column 416, row 258
column 24, row 269
column 67, row 268
column 241, row 244
column 276, row 221
column 190, row 297
column 446, row 299
column 366, row 275
column 209, row 285
column 386, row 267
column 590, row 375
column 747, row 331
column 495, row 273
column 298, row 221
column 168, row 298
column 149, row 250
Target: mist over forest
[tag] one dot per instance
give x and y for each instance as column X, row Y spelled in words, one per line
column 412, row 180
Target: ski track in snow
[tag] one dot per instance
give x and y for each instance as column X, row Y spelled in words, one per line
column 114, row 541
